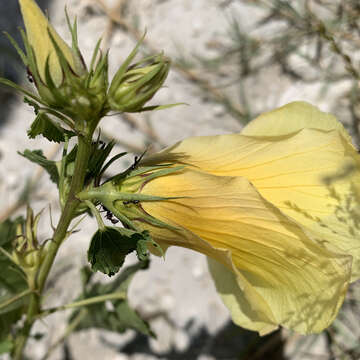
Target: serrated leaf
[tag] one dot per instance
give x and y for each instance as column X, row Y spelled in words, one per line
column 37, row 157
column 12, row 280
column 123, row 317
column 45, row 126
column 109, row 247
column 6, row 346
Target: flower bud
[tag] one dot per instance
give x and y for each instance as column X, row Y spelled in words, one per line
column 132, row 88
column 27, row 253
column 41, row 37
column 79, row 96
column 59, row 72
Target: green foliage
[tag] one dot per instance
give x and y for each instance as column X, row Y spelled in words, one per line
column 37, row 157
column 99, row 154
column 109, row 247
column 43, row 125
column 5, row 346
column 12, row 282
column 122, row 316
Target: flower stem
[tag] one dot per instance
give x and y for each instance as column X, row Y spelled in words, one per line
column 95, row 213
column 85, row 302
column 68, row 213
column 15, row 298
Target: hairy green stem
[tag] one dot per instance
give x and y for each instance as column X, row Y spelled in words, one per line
column 60, row 234
column 67, row 215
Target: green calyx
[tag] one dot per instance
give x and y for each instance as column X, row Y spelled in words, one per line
column 122, row 197
column 81, row 96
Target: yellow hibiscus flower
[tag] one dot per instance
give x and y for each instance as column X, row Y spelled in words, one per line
column 276, row 205
column 275, row 209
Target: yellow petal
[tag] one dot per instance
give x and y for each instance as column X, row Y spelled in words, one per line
column 241, row 298
column 37, row 27
column 291, row 118
column 310, row 176
column 285, row 278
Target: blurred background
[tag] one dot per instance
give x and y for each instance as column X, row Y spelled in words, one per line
column 232, row 59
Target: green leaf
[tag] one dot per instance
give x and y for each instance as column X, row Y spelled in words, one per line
column 129, row 318
column 12, row 280
column 109, row 247
column 44, row 125
column 36, row 156
column 6, row 346
column 122, row 317
column 7, row 321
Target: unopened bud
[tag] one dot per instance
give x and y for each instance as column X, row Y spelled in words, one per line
column 130, row 90
column 41, row 37
column 27, row 253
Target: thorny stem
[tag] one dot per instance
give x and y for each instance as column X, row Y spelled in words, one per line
column 81, row 163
